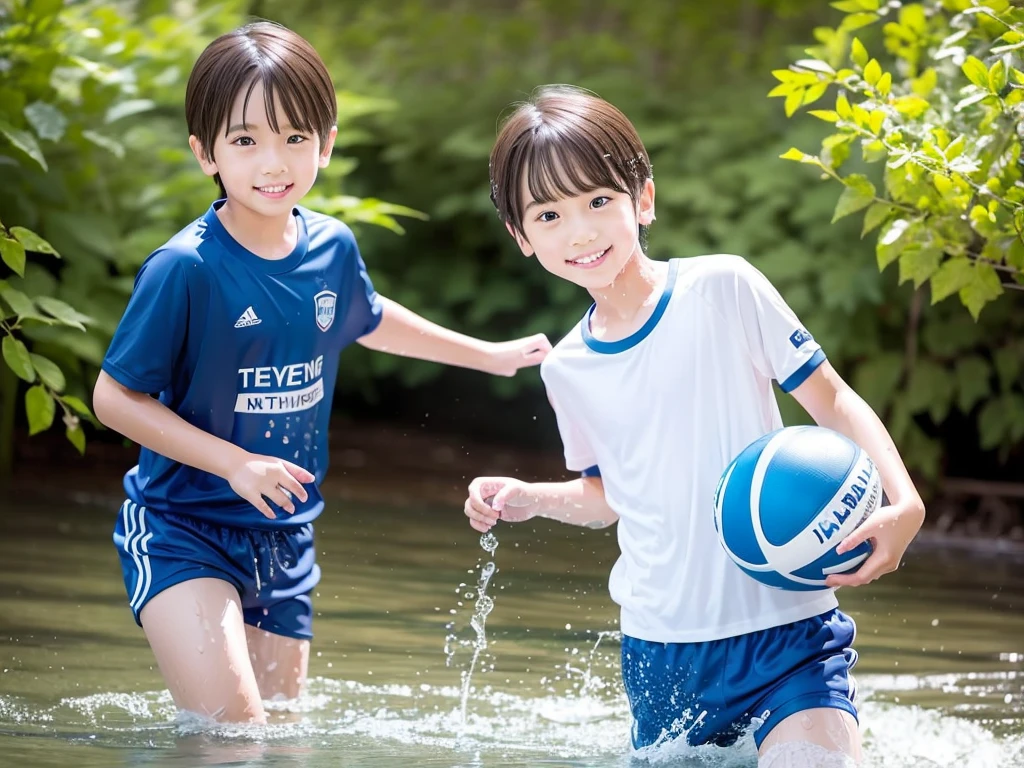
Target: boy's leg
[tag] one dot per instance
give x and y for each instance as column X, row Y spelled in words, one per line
column 835, row 730
column 196, row 631
column 280, row 663
column 278, row 609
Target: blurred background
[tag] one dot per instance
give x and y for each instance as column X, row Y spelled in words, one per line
column 96, row 173
column 96, row 162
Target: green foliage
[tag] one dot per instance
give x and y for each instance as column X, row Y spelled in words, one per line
column 684, row 73
column 97, row 174
column 952, row 210
column 943, row 113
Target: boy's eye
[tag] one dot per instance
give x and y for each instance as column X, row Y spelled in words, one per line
column 296, row 139
column 244, row 141
column 547, row 216
column 600, row 202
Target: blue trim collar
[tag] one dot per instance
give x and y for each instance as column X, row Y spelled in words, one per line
column 612, row 347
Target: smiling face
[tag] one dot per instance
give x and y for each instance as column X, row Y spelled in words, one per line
column 585, row 238
column 261, row 112
column 266, row 170
column 572, row 182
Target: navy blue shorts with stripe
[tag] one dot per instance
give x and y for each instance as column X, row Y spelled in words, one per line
column 711, row 692
column 274, row 571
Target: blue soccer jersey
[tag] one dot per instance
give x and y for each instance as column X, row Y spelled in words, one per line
column 246, row 349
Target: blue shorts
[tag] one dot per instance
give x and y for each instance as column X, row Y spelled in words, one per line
column 274, row 571
column 710, row 691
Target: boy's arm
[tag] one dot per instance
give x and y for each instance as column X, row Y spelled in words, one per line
column 403, row 332
column 150, row 423
column 832, row 403
column 577, row 502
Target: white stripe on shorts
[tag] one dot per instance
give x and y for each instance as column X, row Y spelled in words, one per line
column 136, row 544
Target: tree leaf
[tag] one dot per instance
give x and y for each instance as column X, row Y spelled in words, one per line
column 13, row 254
column 874, row 216
column 891, row 242
column 992, row 424
column 76, row 436
column 858, row 20
column 828, row 115
column 77, row 406
column 976, row 72
column 952, row 275
column 795, row 154
column 1008, row 365
column 859, row 53
column 877, row 378
column 65, row 313
column 49, row 372
column 24, row 141
column 997, row 77
column 128, row 108
column 33, row 242
column 40, row 409
column 984, row 286
column 48, row 122
column 859, row 193
column 17, row 358
column 115, row 148
column 872, row 72
column 884, row 84
column 972, row 384
column 919, row 264
column 20, row 303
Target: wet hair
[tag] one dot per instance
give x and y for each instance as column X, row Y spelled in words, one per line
column 259, row 53
column 566, row 141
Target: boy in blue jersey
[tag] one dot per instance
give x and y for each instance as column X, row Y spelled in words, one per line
column 663, row 382
column 236, row 324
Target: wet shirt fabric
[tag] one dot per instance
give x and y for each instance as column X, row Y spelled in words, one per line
column 243, row 348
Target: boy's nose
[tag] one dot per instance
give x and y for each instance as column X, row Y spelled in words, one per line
column 584, row 237
column 273, row 164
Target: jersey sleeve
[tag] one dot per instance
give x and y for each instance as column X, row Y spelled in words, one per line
column 579, row 456
column 780, row 346
column 363, row 307
column 153, row 328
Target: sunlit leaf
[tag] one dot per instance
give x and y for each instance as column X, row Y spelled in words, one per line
column 40, row 409
column 16, row 355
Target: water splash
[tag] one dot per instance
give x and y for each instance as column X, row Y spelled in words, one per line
column 482, row 607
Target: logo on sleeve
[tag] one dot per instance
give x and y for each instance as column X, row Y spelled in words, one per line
column 800, row 337
column 325, row 301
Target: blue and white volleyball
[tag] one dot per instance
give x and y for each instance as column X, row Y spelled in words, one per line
column 784, row 504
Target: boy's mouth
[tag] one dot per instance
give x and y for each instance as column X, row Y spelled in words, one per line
column 589, row 260
column 274, row 190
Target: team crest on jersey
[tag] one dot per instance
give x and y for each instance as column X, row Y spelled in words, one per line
column 325, row 301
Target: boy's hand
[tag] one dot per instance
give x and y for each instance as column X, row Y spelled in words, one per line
column 507, row 357
column 890, row 529
column 510, row 500
column 280, row 481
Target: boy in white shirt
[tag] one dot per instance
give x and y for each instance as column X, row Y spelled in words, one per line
column 663, row 382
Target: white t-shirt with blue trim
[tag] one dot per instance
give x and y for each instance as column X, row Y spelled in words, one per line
column 660, row 415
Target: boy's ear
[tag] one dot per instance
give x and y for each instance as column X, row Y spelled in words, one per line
column 208, row 165
column 522, row 242
column 645, row 205
column 328, row 148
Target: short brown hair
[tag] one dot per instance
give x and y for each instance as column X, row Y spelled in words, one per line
column 261, row 52
column 566, row 141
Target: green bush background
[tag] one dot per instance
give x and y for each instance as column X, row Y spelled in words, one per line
column 421, row 87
